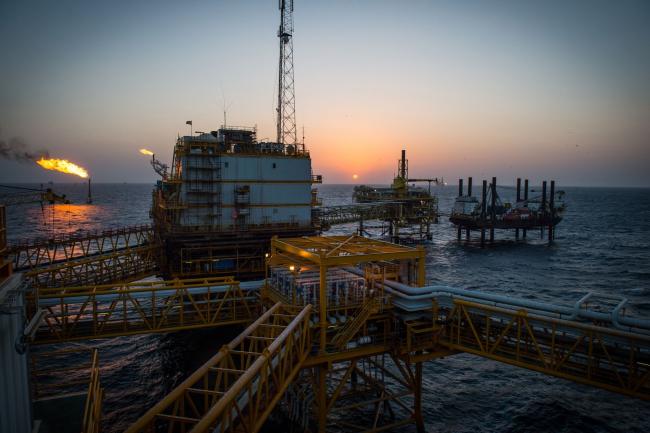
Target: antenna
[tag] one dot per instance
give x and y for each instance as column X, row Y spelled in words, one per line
column 286, row 125
column 225, row 107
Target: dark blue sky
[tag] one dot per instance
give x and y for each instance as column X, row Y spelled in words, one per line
column 549, row 88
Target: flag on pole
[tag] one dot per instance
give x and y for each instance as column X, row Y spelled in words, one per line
column 189, row 122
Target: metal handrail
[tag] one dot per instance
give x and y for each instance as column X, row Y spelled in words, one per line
column 93, row 407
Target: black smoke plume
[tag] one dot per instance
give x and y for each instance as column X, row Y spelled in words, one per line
column 16, row 149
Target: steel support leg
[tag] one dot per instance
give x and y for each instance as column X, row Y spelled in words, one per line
column 417, row 410
column 322, row 398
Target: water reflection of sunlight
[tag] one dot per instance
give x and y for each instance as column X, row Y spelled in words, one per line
column 59, row 219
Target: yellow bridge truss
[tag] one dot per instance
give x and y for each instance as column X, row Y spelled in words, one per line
column 77, row 313
column 119, row 266
column 237, row 389
column 593, row 355
column 47, row 252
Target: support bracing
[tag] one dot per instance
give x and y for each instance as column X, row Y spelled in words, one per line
column 236, row 390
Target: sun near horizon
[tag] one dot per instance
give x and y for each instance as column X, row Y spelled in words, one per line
column 506, row 89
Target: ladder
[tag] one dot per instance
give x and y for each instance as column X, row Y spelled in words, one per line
column 350, row 328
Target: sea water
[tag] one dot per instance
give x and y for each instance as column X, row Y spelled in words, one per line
column 602, row 246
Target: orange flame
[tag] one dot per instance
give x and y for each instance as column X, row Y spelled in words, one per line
column 62, row 165
column 146, row 152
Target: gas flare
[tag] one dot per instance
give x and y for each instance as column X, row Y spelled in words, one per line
column 62, row 165
column 146, row 152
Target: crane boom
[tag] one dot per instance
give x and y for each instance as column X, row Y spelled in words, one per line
column 31, row 196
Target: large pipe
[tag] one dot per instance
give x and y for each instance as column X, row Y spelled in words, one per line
column 575, row 312
column 144, row 293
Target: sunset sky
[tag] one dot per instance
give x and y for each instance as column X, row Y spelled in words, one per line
column 553, row 89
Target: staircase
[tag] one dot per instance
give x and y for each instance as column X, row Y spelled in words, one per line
column 351, row 327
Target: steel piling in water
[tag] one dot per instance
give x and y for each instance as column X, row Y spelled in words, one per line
column 493, row 203
column 517, row 202
column 551, row 200
column 543, row 210
column 526, row 199
column 483, row 212
column 469, row 194
column 460, row 194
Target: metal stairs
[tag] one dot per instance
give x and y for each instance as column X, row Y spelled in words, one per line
column 350, row 328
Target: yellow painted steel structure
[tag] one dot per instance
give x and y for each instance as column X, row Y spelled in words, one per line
column 92, row 417
column 236, row 390
column 324, row 252
column 593, row 355
column 77, row 313
column 48, row 382
column 48, row 252
column 368, row 363
column 119, row 266
column 347, row 379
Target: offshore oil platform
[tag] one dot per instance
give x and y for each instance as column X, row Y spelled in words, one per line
column 490, row 213
column 335, row 328
column 226, row 194
column 406, row 210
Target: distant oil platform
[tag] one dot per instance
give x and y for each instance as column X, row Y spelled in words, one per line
column 406, row 210
column 490, row 213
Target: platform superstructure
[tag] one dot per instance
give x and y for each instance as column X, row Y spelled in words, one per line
column 225, row 195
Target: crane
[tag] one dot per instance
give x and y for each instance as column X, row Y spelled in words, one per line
column 30, row 195
column 159, row 167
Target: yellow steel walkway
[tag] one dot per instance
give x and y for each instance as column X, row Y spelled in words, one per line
column 593, row 355
column 111, row 256
column 50, row 251
column 118, row 266
column 237, row 389
column 76, row 313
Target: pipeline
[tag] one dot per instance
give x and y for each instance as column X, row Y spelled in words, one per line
column 413, row 299
column 145, row 293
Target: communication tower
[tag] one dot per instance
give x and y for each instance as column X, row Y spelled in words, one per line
column 286, row 110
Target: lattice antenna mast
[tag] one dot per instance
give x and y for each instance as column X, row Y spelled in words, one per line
column 287, row 133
